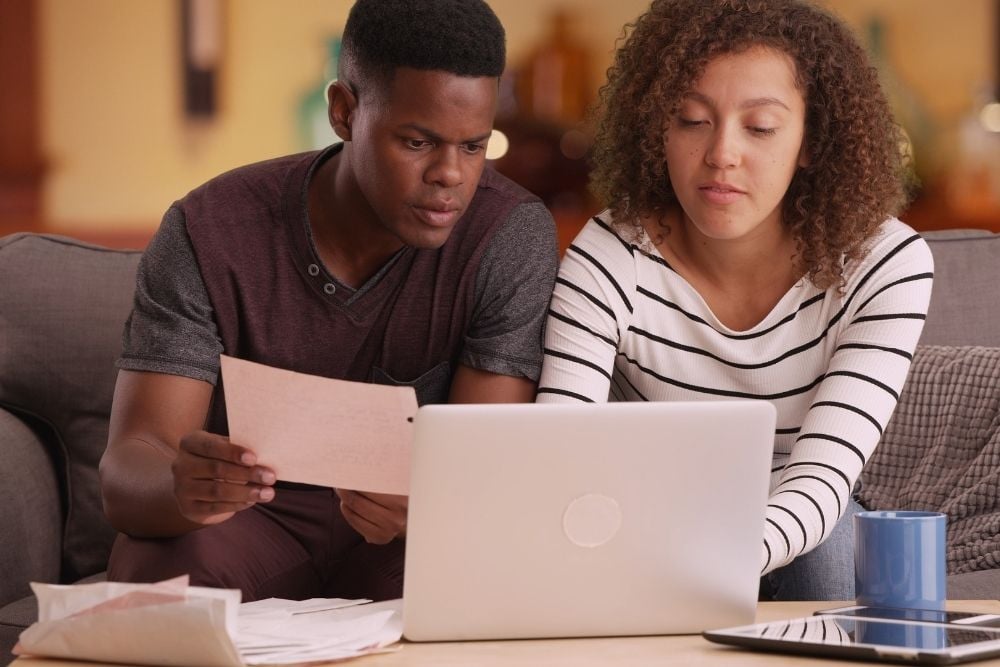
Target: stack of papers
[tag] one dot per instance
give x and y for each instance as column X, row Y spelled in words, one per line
column 171, row 623
column 282, row 631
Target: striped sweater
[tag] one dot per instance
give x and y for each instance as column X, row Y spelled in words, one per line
column 624, row 326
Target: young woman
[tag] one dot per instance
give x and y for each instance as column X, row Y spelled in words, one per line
column 752, row 169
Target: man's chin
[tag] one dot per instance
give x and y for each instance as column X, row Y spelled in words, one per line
column 429, row 239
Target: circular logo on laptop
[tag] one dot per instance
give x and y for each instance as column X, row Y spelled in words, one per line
column 592, row 520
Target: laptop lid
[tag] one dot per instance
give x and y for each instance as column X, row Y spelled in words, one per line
column 550, row 520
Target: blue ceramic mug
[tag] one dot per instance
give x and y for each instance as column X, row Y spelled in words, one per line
column 899, row 559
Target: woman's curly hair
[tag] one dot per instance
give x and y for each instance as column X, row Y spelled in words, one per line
column 855, row 177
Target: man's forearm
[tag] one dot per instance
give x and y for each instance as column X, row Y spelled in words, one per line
column 137, row 488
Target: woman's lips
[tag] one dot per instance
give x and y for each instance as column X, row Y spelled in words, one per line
column 716, row 193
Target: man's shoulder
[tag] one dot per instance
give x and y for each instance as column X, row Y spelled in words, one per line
column 257, row 180
column 494, row 184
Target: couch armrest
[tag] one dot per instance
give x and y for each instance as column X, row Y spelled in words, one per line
column 30, row 510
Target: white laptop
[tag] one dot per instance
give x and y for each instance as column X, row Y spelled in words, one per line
column 543, row 520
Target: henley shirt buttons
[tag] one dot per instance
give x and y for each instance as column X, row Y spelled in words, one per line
column 329, row 288
column 313, row 270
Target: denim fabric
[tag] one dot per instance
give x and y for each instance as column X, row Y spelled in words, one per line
column 825, row 573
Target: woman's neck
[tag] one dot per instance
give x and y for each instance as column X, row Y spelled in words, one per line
column 742, row 279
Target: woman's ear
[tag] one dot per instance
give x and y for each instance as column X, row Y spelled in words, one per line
column 342, row 103
column 803, row 160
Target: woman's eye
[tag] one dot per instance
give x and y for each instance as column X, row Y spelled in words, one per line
column 763, row 131
column 690, row 122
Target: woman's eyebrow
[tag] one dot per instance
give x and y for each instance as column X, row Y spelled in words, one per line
column 762, row 102
column 746, row 104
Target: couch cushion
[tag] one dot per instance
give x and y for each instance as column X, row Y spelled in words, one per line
column 941, row 451
column 63, row 304
column 979, row 585
column 29, row 511
column 963, row 308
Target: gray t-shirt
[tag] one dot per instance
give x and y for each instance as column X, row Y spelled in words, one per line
column 172, row 328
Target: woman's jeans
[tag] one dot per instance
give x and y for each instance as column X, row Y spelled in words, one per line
column 825, row 573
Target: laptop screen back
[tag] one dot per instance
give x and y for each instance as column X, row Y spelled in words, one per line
column 547, row 520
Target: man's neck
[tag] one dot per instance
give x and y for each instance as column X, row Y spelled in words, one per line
column 350, row 239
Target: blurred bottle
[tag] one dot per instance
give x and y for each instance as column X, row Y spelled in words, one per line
column 554, row 83
column 313, row 122
column 906, row 106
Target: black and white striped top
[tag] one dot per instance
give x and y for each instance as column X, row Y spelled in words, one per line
column 625, row 326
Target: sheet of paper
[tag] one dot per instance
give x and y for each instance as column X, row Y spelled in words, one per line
column 315, row 430
column 279, row 633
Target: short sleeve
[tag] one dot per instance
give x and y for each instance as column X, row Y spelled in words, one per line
column 171, row 328
column 513, row 287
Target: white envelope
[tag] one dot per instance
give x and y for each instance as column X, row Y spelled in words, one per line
column 168, row 623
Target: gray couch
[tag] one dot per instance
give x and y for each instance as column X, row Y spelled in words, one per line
column 62, row 306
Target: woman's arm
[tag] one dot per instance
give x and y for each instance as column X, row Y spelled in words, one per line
column 590, row 308
column 854, row 401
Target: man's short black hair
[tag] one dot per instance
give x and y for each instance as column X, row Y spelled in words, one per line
column 463, row 37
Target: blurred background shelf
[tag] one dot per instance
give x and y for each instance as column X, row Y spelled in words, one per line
column 112, row 109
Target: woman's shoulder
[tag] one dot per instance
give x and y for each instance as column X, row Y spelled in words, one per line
column 605, row 237
column 895, row 247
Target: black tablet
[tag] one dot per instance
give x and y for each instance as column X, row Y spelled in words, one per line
column 984, row 619
column 878, row 639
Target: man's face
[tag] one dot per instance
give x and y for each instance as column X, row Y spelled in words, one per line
column 418, row 149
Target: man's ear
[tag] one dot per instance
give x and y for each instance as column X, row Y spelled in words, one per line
column 342, row 103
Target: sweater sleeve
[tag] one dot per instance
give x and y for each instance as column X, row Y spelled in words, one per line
column 590, row 309
column 854, row 401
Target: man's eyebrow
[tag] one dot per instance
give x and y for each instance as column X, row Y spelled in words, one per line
column 747, row 104
column 434, row 136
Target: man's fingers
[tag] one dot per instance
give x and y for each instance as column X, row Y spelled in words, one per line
column 210, row 446
column 389, row 501
column 215, row 491
column 378, row 523
column 373, row 533
column 214, row 478
column 373, row 502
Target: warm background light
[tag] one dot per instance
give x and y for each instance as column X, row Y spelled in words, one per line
column 120, row 150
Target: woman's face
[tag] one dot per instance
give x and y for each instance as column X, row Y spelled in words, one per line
column 735, row 144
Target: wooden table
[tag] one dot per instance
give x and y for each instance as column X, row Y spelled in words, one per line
column 663, row 651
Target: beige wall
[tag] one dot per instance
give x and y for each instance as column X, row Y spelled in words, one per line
column 121, row 151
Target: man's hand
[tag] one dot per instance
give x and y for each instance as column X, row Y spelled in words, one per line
column 378, row 517
column 214, row 479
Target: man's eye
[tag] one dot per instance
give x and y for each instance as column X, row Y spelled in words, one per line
column 474, row 148
column 415, row 144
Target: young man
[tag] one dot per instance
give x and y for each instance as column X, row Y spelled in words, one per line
column 394, row 257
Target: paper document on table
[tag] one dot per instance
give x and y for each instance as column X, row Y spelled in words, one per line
column 316, row 430
column 286, row 632
column 168, row 623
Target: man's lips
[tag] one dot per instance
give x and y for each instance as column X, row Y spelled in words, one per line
column 437, row 216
